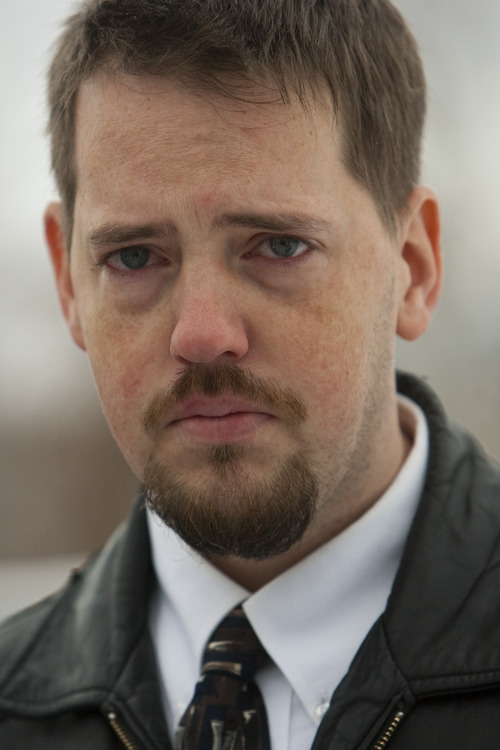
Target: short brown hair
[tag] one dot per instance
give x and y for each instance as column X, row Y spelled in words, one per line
column 360, row 51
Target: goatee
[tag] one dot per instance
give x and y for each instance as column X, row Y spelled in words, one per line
column 252, row 514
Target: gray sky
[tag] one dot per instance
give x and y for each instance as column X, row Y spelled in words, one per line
column 42, row 374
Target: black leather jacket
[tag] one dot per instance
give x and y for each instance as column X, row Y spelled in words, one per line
column 77, row 671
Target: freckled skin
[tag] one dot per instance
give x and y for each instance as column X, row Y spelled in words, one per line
column 322, row 325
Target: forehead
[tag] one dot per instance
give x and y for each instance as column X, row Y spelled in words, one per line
column 150, row 147
column 141, row 118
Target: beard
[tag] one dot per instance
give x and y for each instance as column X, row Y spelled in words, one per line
column 234, row 512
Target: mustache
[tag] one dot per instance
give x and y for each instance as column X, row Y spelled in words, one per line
column 221, row 380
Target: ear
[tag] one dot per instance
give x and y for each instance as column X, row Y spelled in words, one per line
column 420, row 248
column 59, row 254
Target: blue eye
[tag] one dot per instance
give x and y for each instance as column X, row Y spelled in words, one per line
column 284, row 247
column 135, row 257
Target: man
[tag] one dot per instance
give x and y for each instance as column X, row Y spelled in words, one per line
column 241, row 235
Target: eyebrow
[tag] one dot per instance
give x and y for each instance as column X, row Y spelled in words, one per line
column 119, row 234
column 272, row 222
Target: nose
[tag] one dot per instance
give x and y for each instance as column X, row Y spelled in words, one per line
column 208, row 320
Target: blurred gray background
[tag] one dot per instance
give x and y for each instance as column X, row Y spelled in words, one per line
column 64, row 484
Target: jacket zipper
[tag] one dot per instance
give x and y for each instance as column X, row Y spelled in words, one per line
column 389, row 731
column 120, row 733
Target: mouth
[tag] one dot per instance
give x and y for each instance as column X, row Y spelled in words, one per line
column 218, row 420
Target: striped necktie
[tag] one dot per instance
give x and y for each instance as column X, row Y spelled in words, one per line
column 227, row 711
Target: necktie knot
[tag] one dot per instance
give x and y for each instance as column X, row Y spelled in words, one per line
column 234, row 648
column 227, row 711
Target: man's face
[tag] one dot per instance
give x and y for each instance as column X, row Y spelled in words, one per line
column 213, row 233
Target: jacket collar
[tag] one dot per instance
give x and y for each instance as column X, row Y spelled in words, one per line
column 439, row 633
column 89, row 646
column 442, row 617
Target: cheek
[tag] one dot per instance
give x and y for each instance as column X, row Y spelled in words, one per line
column 326, row 359
column 326, row 335
column 123, row 356
column 119, row 379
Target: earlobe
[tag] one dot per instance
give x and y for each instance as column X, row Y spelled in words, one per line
column 421, row 262
column 61, row 264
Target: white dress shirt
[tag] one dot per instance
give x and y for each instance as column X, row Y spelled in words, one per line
column 311, row 619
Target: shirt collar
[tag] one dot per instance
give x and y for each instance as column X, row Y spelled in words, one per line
column 197, row 590
column 312, row 618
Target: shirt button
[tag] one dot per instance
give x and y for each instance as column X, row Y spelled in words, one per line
column 321, row 710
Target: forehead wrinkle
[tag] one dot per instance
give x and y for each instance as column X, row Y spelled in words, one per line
column 181, row 163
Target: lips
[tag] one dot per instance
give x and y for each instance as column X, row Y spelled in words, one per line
column 212, row 408
column 217, row 419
